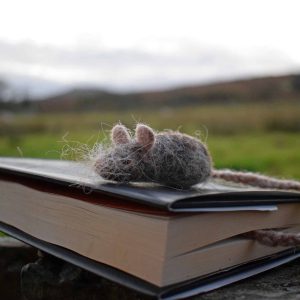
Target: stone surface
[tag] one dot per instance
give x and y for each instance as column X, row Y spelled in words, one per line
column 13, row 256
column 51, row 278
column 46, row 278
column 279, row 283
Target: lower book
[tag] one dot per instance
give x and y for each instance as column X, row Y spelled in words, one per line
column 180, row 290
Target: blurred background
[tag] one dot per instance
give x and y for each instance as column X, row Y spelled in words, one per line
column 226, row 71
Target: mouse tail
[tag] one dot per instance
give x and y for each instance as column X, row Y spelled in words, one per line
column 257, row 180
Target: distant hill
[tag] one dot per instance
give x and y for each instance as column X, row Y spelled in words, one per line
column 266, row 89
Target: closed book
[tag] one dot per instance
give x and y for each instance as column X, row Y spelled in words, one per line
column 161, row 241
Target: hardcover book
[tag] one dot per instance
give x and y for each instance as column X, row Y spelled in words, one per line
column 164, row 242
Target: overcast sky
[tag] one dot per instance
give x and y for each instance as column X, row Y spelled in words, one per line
column 134, row 45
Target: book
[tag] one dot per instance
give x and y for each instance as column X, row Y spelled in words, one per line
column 152, row 238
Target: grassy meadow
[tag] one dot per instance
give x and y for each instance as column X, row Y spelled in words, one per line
column 264, row 138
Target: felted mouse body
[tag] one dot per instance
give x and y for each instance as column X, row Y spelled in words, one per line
column 169, row 158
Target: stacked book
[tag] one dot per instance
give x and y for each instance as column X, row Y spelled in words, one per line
column 166, row 243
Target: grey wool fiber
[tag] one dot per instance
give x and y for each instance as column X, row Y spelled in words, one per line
column 178, row 160
column 169, row 158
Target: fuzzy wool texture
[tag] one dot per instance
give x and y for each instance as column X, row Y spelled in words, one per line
column 169, row 158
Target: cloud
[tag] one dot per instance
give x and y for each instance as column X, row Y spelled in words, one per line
column 42, row 69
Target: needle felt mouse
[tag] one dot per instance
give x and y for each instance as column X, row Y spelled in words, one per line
column 178, row 160
column 170, row 158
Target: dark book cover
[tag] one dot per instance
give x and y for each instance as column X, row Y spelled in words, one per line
column 209, row 196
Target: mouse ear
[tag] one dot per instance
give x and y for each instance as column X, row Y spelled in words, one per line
column 120, row 135
column 145, row 136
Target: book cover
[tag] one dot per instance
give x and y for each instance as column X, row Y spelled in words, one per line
column 209, row 196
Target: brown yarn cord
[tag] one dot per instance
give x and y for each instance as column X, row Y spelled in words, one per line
column 256, row 180
column 270, row 238
column 275, row 238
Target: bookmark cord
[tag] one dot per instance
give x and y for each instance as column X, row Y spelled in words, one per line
column 266, row 237
column 274, row 238
column 256, row 180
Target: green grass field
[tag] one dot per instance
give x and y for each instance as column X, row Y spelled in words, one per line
column 264, row 138
column 222, row 119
